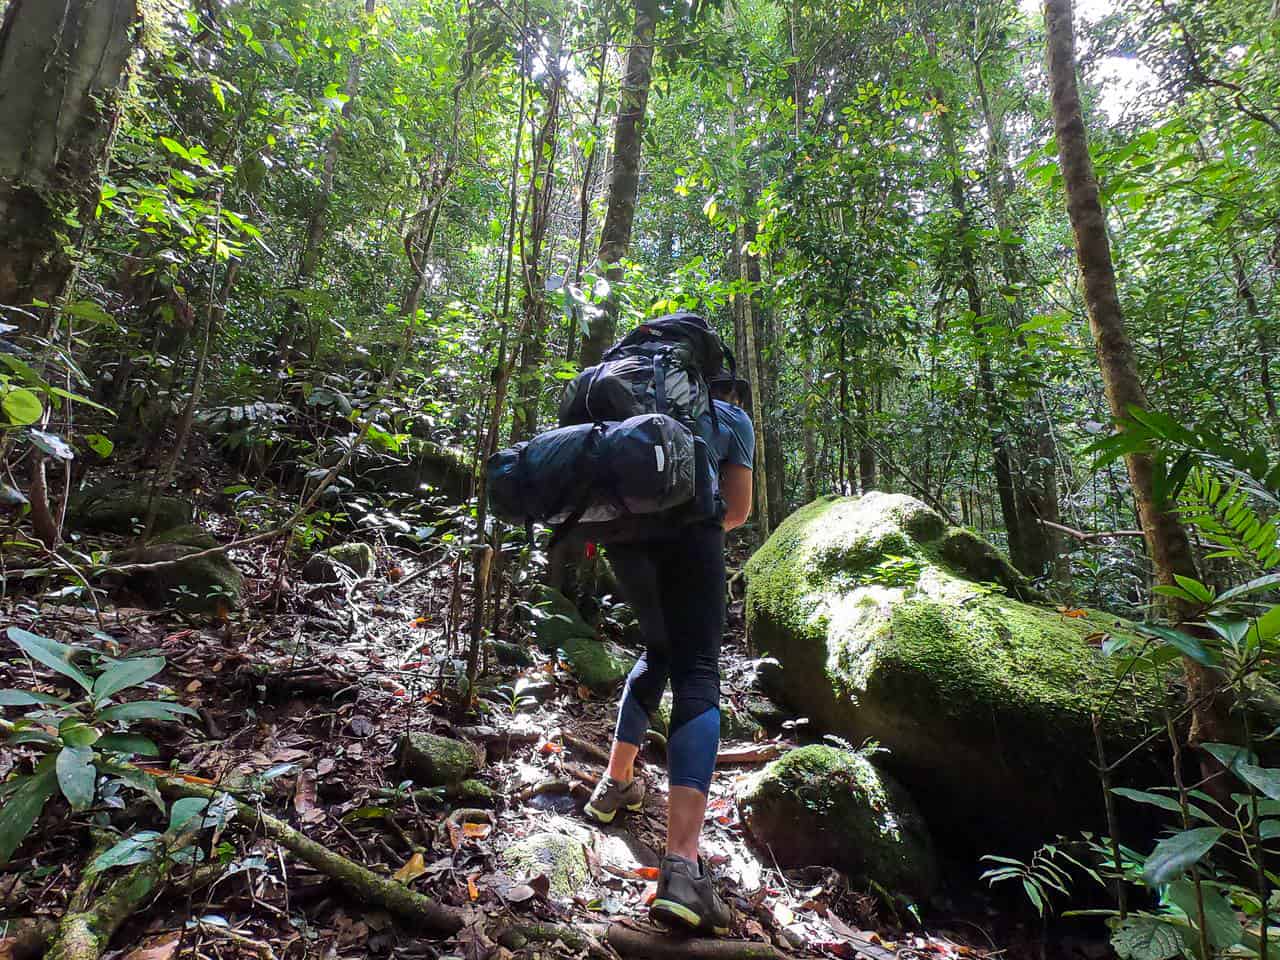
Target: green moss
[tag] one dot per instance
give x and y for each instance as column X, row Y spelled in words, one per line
column 187, row 535
column 599, row 666
column 434, row 761
column 203, row 585
column 562, row 859
column 821, row 805
column 116, row 506
column 985, row 701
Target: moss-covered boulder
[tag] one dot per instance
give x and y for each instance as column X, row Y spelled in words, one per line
column 435, row 761
column 892, row 626
column 117, row 506
column 819, row 805
column 323, row 567
column 561, row 858
column 559, row 628
column 203, row 585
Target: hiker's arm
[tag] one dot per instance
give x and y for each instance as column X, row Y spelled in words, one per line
column 735, row 487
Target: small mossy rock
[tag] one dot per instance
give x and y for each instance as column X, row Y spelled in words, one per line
column 116, row 506
column 599, row 666
column 735, row 724
column 888, row 627
column 205, row 585
column 321, row 567
column 511, row 654
column 819, row 805
column 562, row 859
column 435, row 761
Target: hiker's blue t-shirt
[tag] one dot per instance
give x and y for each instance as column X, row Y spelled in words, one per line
column 734, row 443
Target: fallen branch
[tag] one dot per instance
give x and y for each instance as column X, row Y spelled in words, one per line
column 761, row 753
column 1090, row 537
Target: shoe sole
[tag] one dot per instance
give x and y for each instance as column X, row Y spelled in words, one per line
column 604, row 817
column 674, row 914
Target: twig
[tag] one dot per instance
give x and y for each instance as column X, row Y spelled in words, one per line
column 1088, row 537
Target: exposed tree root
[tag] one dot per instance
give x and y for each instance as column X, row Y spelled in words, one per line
column 87, row 928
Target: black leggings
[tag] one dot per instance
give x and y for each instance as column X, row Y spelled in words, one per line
column 676, row 589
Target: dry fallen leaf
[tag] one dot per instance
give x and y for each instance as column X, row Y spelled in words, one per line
column 304, row 794
column 584, row 692
column 472, row 891
column 161, row 949
column 1073, row 612
column 325, row 766
column 646, row 873
column 193, row 686
column 413, row 868
column 476, row 831
column 783, row 914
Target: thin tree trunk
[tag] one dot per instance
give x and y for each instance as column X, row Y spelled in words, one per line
column 584, row 195
column 1166, row 539
column 1000, row 453
column 624, row 185
column 1244, row 290
column 61, row 69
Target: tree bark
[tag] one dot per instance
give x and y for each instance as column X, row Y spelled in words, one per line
column 624, row 184
column 1244, row 290
column 1166, row 539
column 61, row 69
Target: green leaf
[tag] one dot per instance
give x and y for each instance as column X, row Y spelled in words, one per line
column 1195, row 588
column 1174, row 855
column 183, row 810
column 142, row 782
column 23, row 806
column 126, row 673
column 76, row 776
column 53, row 445
column 1269, row 829
column 100, row 445
column 1184, row 643
column 127, row 743
column 22, row 407
column 54, row 655
column 1154, row 799
column 74, row 732
column 142, row 847
column 1144, row 937
column 144, row 710
column 27, row 698
column 1220, row 920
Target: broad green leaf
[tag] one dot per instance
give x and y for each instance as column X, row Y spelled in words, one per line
column 141, row 847
column 27, row 698
column 1154, row 799
column 1269, row 829
column 22, row 407
column 1257, row 585
column 54, row 655
column 23, row 805
column 1194, row 587
column 100, row 445
column 76, row 776
column 1174, row 855
column 1144, row 937
column 127, row 743
column 143, row 782
column 183, row 810
column 125, row 673
column 74, row 732
column 1184, row 643
column 1219, row 918
column 144, row 710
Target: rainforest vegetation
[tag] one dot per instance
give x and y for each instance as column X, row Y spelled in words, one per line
column 277, row 277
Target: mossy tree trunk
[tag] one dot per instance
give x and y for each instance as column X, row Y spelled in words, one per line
column 1166, row 538
column 61, row 68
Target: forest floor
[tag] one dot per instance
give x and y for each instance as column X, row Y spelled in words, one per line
column 303, row 700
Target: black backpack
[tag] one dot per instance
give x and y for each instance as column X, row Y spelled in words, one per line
column 626, row 462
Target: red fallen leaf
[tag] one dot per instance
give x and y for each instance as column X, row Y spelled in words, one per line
column 419, row 621
column 549, row 747
column 646, row 873
column 1074, row 612
column 184, row 777
column 412, row 665
column 476, row 831
column 584, row 692
column 542, row 884
column 472, row 892
column 395, row 573
column 398, row 692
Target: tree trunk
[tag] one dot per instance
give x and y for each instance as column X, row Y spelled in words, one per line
column 620, row 210
column 1244, row 290
column 584, row 197
column 61, row 69
column 1002, row 460
column 1166, row 539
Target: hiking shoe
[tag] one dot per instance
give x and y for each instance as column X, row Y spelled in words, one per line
column 687, row 898
column 611, row 795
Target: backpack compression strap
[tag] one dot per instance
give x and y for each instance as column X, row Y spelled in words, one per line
column 587, row 481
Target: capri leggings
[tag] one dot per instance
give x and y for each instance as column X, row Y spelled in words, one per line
column 676, row 590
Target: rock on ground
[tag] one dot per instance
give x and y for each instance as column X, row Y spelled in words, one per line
column 819, row 805
column 435, row 761
column 206, row 585
column 117, row 506
column 323, row 567
column 890, row 625
column 561, row 858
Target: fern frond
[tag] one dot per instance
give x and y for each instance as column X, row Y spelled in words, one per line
column 1225, row 518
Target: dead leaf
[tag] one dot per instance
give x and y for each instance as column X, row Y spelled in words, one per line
column 419, row 622
column 783, row 914
column 476, row 831
column 1074, row 612
column 413, row 868
column 362, row 726
column 304, row 794
column 472, row 890
column 519, row 893
column 184, row 777
column 584, row 692
column 193, row 686
column 542, row 884
column 161, row 949
column 646, row 873
column 325, row 766
column 549, row 748
column 287, row 755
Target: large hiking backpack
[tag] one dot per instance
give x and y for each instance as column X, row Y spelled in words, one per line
column 660, row 367
column 626, row 462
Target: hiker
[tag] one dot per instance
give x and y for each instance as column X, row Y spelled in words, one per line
column 676, row 587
